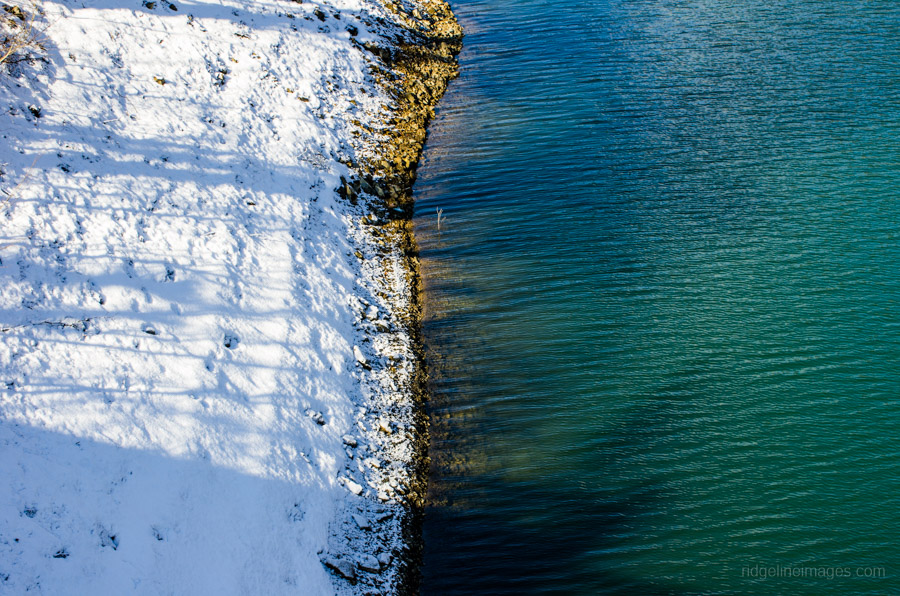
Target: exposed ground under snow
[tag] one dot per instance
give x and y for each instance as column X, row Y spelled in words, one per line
column 188, row 346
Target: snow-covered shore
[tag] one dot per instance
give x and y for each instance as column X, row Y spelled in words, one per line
column 207, row 296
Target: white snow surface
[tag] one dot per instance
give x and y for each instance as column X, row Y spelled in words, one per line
column 182, row 309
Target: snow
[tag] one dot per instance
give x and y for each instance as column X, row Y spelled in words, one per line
column 190, row 390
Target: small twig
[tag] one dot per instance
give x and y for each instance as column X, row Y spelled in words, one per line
column 15, row 37
column 79, row 324
column 440, row 214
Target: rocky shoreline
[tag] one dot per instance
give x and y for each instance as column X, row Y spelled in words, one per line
column 211, row 374
column 413, row 66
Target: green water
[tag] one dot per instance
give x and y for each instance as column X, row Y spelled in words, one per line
column 662, row 306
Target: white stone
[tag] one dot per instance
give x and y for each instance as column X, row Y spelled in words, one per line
column 357, row 353
column 353, row 487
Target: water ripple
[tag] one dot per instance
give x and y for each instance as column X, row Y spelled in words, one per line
column 662, row 307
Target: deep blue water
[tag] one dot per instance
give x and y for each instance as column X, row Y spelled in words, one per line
column 662, row 313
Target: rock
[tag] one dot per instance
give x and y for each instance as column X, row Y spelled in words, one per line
column 353, row 487
column 372, row 313
column 384, row 516
column 349, row 441
column 357, row 353
column 369, row 563
column 342, row 567
column 385, row 426
column 384, row 559
column 362, row 522
column 16, row 12
column 317, row 417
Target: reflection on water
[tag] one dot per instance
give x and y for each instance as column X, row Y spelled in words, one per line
column 661, row 309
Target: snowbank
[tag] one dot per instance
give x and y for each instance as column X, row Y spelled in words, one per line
column 206, row 359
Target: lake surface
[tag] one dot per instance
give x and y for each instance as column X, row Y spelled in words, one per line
column 662, row 321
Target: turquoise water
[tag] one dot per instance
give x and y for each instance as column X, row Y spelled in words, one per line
column 662, row 305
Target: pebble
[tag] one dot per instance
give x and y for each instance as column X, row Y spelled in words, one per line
column 349, row 441
column 385, row 426
column 384, row 559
